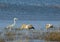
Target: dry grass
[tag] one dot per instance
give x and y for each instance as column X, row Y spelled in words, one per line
column 53, row 36
column 10, row 35
column 2, row 40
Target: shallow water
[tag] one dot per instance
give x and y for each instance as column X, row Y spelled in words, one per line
column 37, row 24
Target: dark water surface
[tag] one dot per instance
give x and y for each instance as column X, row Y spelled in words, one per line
column 30, row 9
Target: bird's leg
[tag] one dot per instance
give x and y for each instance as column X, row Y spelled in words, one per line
column 10, row 29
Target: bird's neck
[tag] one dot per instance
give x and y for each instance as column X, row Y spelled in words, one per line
column 14, row 22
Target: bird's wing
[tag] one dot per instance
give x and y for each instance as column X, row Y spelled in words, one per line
column 9, row 26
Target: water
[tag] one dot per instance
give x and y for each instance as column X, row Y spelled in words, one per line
column 37, row 24
column 30, row 9
column 26, row 35
column 35, row 12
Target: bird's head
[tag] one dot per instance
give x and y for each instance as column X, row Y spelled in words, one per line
column 15, row 19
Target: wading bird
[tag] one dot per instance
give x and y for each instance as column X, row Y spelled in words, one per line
column 12, row 25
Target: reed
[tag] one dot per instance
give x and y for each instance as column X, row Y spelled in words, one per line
column 53, row 36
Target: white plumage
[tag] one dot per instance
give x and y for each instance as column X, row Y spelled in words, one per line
column 12, row 25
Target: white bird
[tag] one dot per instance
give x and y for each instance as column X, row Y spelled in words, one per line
column 12, row 25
